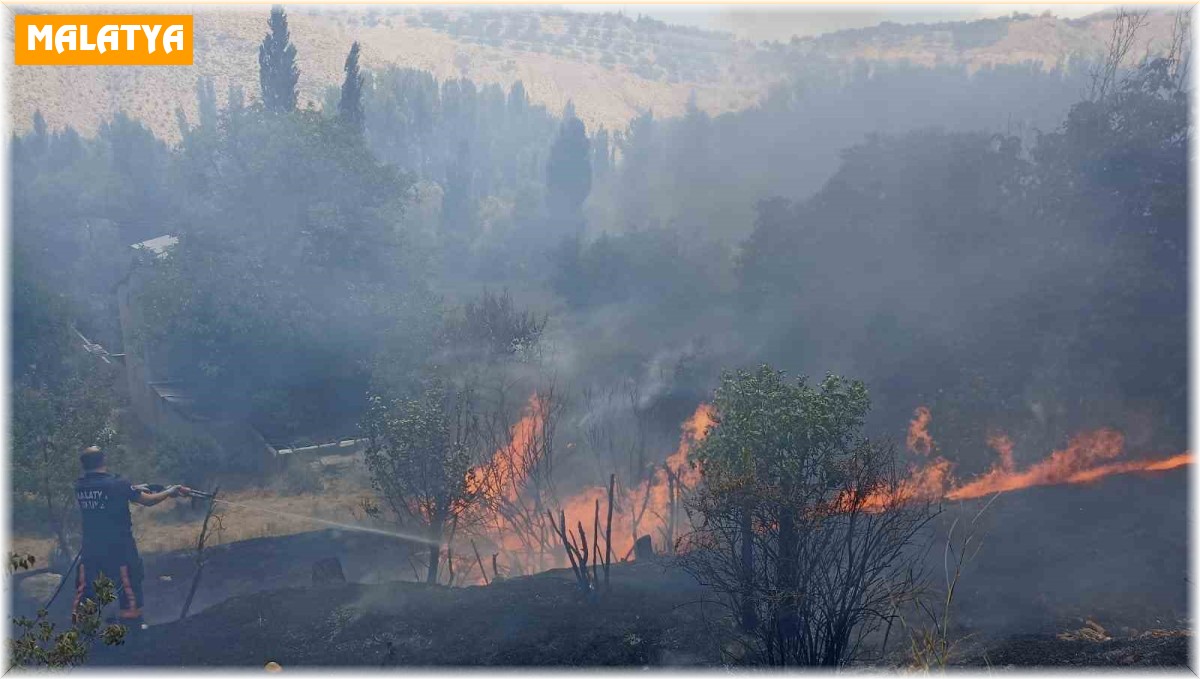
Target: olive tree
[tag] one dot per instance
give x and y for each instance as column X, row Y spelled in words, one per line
column 801, row 523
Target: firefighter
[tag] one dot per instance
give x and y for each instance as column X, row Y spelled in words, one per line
column 108, row 545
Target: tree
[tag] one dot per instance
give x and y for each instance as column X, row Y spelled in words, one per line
column 291, row 273
column 206, row 101
column 350, row 106
column 569, row 174
column 458, row 201
column 490, row 329
column 600, row 154
column 63, row 402
column 804, row 525
column 419, row 453
column 277, row 70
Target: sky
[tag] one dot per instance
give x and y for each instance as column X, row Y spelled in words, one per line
column 776, row 22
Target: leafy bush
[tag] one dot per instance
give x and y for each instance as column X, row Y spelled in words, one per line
column 36, row 644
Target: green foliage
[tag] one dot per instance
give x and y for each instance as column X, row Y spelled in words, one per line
column 491, row 327
column 36, row 644
column 775, row 434
column 63, row 402
column 660, row 268
column 77, row 247
column 1095, row 211
column 420, row 449
column 568, row 173
column 459, row 221
column 291, row 270
column 193, row 459
column 277, row 70
column 350, row 106
column 803, row 527
column 418, row 454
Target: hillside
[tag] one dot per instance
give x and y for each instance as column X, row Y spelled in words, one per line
column 608, row 86
column 612, row 66
column 1046, row 40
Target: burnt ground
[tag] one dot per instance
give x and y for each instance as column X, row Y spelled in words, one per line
column 654, row 617
column 1053, row 560
column 244, row 567
column 651, row 619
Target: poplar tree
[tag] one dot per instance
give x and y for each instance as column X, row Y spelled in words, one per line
column 277, row 71
column 350, row 108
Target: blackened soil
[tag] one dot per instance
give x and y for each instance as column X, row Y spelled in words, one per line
column 651, row 618
column 1140, row 651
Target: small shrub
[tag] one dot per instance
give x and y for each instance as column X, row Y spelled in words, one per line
column 37, row 644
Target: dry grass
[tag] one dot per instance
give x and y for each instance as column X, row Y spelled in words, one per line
column 227, row 50
column 163, row 528
column 227, row 46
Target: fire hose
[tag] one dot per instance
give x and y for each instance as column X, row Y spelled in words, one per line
column 187, row 492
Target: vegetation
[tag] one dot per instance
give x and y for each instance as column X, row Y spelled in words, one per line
column 350, row 108
column 419, row 452
column 900, row 223
column 278, row 72
column 63, row 402
column 804, row 526
column 36, row 644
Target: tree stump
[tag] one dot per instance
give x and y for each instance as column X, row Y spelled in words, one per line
column 328, row 572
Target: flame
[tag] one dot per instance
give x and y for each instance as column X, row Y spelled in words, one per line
column 1082, row 454
column 1003, row 446
column 501, row 476
column 651, row 507
column 919, row 440
column 1088, row 457
column 648, row 507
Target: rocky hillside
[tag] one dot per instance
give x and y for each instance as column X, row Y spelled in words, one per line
column 611, row 65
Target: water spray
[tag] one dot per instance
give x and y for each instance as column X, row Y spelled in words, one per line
column 192, row 492
column 335, row 524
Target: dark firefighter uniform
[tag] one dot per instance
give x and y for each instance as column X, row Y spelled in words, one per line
column 108, row 545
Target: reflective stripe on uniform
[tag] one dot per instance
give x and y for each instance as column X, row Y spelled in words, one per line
column 132, row 611
column 80, row 586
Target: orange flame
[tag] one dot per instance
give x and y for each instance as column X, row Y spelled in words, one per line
column 1003, row 446
column 652, row 505
column 1088, row 457
column 649, row 505
column 919, row 440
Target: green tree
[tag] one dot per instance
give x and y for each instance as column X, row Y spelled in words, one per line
column 419, row 453
column 569, row 174
column 277, row 70
column 63, row 402
column 291, row 273
column 804, row 524
column 458, row 201
column 350, row 106
column 206, row 103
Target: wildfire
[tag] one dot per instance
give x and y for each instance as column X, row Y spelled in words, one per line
column 516, row 505
column 919, row 440
column 1003, row 446
column 515, row 512
column 1088, row 457
column 652, row 504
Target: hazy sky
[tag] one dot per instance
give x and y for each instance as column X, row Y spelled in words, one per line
column 775, row 22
